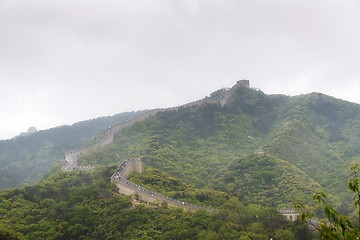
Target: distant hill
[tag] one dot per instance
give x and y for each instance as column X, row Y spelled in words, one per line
column 25, row 159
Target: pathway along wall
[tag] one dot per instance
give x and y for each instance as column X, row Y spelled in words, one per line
column 107, row 139
column 131, row 165
column 119, row 178
column 108, row 136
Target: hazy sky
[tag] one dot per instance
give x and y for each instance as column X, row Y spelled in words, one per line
column 69, row 60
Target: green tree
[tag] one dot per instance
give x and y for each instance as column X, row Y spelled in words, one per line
column 284, row 234
column 339, row 226
column 9, row 234
column 354, row 185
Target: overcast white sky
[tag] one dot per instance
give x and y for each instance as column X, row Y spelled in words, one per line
column 69, row 60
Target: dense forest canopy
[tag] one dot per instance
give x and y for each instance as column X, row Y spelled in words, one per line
column 82, row 206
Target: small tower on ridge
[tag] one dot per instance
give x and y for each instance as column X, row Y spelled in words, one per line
column 243, row 83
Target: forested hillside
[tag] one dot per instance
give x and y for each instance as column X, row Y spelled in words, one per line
column 25, row 159
column 72, row 205
column 306, row 139
column 234, row 151
column 266, row 180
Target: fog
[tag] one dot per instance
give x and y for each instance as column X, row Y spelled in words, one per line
column 66, row 61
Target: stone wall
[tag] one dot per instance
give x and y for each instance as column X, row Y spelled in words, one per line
column 126, row 187
column 108, row 135
column 135, row 164
column 243, row 83
column 290, row 213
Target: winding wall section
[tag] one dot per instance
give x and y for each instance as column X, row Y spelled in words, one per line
column 120, row 176
column 108, row 136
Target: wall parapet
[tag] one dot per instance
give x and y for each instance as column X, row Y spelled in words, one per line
column 120, row 176
column 290, row 213
column 127, row 187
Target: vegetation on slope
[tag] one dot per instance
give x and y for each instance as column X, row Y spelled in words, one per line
column 28, row 158
column 313, row 133
column 266, row 180
column 308, row 142
column 336, row 225
column 192, row 143
column 319, row 135
column 82, row 206
column 158, row 181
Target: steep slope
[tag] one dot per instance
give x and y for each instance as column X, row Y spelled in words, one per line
column 320, row 135
column 312, row 133
column 273, row 150
column 297, row 144
column 28, row 158
column 266, row 180
column 192, row 142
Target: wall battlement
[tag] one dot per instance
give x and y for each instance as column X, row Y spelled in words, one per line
column 290, row 213
column 124, row 186
column 134, row 164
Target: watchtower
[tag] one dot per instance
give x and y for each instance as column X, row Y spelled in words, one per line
column 243, row 83
column 290, row 213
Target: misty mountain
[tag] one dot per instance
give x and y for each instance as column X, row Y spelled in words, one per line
column 237, row 149
column 313, row 138
column 27, row 158
column 28, row 132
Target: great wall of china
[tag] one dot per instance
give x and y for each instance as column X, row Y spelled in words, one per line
column 119, row 178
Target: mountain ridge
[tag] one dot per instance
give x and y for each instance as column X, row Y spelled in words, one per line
column 25, row 159
column 264, row 118
column 253, row 148
column 274, row 119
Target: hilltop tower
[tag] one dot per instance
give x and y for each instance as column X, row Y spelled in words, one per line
column 243, row 83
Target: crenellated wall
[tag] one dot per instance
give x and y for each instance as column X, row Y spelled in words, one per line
column 127, row 167
column 126, row 187
column 134, row 164
column 290, row 213
column 108, row 138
